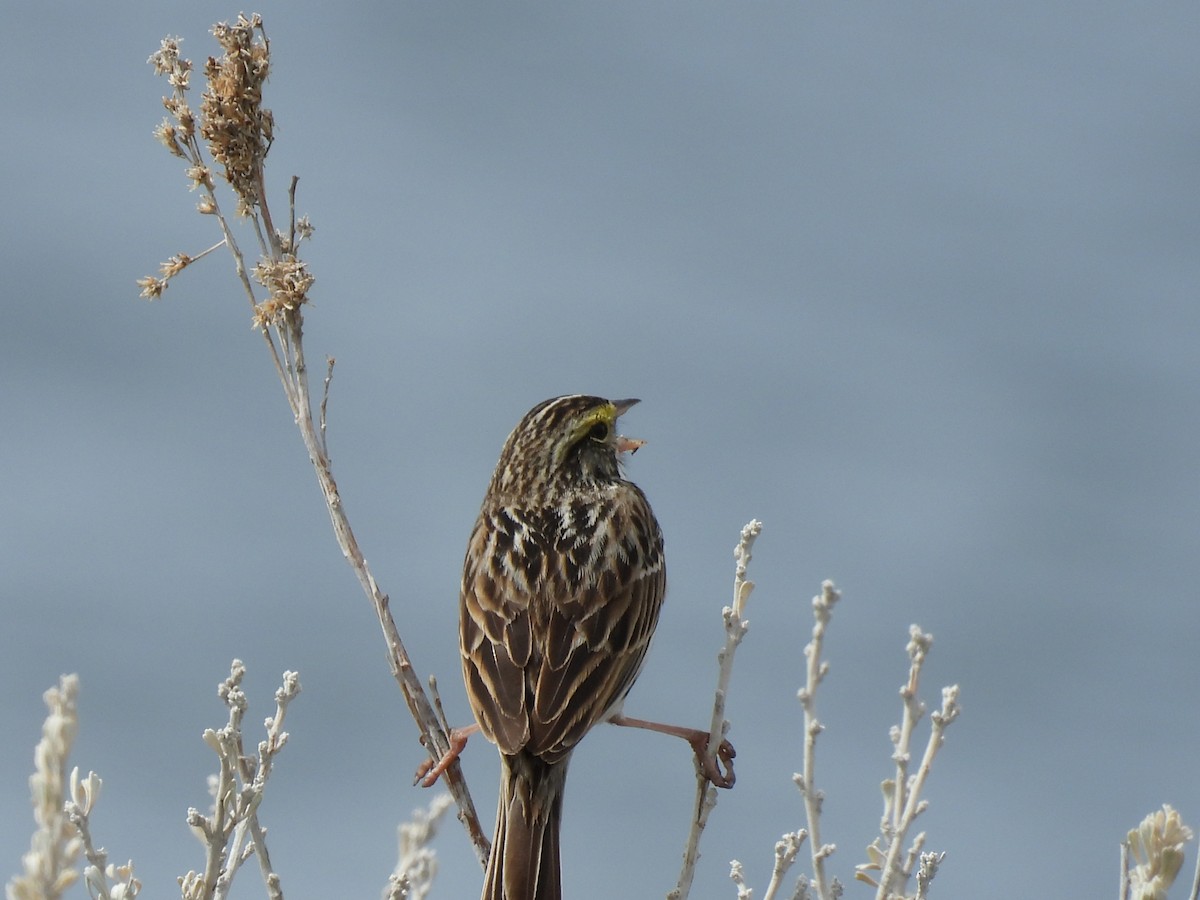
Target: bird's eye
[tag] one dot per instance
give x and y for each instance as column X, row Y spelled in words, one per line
column 599, row 432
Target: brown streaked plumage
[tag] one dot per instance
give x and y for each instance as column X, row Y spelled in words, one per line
column 561, row 590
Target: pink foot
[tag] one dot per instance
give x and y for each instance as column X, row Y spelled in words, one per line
column 431, row 770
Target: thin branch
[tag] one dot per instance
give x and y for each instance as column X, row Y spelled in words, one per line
column 928, row 869
column 815, row 672
column 329, row 363
column 433, row 736
column 735, row 629
column 787, row 849
column 905, row 803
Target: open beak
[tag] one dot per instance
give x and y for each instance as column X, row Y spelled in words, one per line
column 621, row 443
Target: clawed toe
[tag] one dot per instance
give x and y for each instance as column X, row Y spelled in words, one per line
column 431, row 770
column 718, row 767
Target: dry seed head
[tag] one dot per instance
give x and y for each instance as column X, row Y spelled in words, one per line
column 167, row 61
column 302, row 230
column 174, row 266
column 269, row 312
column 200, row 177
column 185, row 119
column 151, row 287
column 167, row 135
column 233, row 121
column 288, row 282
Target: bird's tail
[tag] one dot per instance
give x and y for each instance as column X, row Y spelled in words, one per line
column 524, row 861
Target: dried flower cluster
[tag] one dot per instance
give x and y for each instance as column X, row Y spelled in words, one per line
column 152, row 287
column 177, row 132
column 238, row 132
column 287, row 281
column 233, row 120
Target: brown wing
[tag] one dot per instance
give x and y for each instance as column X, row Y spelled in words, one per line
column 554, row 639
column 505, row 559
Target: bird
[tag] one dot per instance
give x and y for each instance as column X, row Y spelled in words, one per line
column 561, row 589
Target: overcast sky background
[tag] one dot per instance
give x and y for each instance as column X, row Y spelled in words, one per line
column 914, row 284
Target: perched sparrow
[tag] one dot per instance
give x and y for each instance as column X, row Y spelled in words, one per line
column 561, row 590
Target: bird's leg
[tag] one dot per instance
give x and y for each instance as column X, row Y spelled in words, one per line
column 710, row 764
column 431, row 770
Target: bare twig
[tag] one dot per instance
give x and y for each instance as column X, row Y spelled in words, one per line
column 815, row 671
column 928, row 868
column 232, row 833
column 787, row 848
column 737, row 876
column 98, row 874
column 735, row 629
column 330, row 362
column 904, row 803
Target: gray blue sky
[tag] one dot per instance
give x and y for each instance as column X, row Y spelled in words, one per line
column 914, row 284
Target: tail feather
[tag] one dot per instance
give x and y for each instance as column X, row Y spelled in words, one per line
column 524, row 863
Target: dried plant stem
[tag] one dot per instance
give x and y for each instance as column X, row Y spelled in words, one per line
column 433, row 736
column 735, row 629
column 239, row 143
column 914, row 710
column 815, row 672
column 270, row 877
column 706, row 801
column 292, row 369
column 928, row 869
column 786, row 850
column 232, row 832
column 906, row 803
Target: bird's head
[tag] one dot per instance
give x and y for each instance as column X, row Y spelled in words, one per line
column 562, row 443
